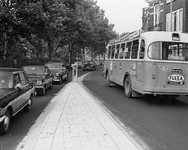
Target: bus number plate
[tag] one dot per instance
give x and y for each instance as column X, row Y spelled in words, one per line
column 176, row 79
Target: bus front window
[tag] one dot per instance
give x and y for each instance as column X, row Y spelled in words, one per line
column 154, row 51
column 168, row 51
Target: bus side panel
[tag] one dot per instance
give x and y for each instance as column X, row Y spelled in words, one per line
column 116, row 70
column 124, row 67
column 150, row 73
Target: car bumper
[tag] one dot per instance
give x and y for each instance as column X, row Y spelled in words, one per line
column 38, row 88
column 56, row 79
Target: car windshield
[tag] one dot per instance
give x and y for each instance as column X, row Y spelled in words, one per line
column 6, row 80
column 34, row 70
column 54, row 66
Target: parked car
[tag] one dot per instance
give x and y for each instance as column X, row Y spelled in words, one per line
column 90, row 66
column 60, row 73
column 41, row 76
column 16, row 93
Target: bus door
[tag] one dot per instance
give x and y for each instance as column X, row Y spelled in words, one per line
column 112, row 70
column 122, row 64
column 116, row 62
column 140, row 71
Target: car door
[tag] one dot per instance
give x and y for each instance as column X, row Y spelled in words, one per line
column 18, row 98
column 26, row 88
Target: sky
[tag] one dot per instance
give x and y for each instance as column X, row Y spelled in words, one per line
column 126, row 15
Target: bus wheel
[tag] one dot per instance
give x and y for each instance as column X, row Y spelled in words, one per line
column 108, row 79
column 127, row 87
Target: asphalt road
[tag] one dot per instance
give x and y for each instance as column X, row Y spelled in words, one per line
column 157, row 123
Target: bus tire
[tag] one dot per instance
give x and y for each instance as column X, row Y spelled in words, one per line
column 128, row 87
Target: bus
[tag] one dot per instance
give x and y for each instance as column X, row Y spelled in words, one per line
column 149, row 63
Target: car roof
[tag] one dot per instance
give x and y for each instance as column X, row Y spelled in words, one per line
column 34, row 66
column 8, row 69
column 54, row 63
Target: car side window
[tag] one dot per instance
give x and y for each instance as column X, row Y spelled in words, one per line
column 47, row 70
column 23, row 78
column 16, row 78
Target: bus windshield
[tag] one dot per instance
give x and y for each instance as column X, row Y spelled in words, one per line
column 168, row 51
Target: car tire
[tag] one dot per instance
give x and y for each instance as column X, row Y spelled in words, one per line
column 67, row 77
column 29, row 105
column 128, row 87
column 43, row 91
column 51, row 86
column 5, row 124
column 61, row 79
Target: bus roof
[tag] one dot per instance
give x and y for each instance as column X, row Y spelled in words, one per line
column 151, row 36
column 165, row 36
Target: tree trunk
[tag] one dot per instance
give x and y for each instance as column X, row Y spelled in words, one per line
column 49, row 48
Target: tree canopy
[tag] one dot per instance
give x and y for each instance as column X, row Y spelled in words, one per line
column 48, row 27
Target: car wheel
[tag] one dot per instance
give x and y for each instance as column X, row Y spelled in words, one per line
column 51, row 85
column 60, row 81
column 43, row 92
column 128, row 87
column 67, row 77
column 29, row 105
column 5, row 124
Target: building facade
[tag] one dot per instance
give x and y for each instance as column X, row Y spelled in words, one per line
column 165, row 15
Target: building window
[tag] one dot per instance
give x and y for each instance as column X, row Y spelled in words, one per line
column 156, row 14
column 177, row 21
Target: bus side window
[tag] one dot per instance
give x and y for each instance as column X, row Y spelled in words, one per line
column 109, row 51
column 128, row 50
column 122, row 52
column 113, row 52
column 142, row 49
column 117, row 51
column 135, row 49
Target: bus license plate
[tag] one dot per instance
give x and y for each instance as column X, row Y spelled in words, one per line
column 176, row 79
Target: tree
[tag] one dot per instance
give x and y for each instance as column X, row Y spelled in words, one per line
column 48, row 25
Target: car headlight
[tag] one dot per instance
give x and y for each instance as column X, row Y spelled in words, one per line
column 39, row 82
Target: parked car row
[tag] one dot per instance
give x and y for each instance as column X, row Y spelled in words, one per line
column 18, row 86
column 89, row 66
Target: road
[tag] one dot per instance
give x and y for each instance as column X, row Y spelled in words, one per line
column 158, row 124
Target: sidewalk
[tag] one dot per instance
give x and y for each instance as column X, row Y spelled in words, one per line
column 74, row 120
